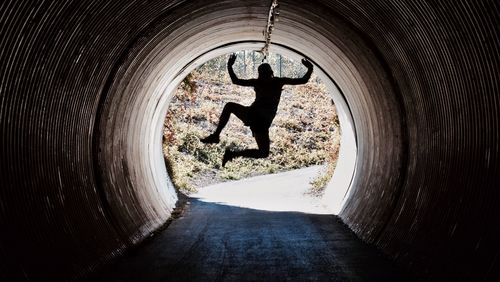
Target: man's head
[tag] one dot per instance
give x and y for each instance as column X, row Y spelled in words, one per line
column 265, row 71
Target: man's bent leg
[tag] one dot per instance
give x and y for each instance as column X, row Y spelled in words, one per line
column 263, row 142
column 230, row 108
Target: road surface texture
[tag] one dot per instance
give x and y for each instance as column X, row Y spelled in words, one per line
column 227, row 240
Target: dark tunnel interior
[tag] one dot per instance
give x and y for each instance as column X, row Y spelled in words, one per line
column 84, row 88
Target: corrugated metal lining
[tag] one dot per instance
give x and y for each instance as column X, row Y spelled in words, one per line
column 80, row 83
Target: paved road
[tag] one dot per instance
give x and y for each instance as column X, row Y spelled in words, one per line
column 286, row 191
column 222, row 242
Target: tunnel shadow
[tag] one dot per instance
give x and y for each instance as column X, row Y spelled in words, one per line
column 218, row 242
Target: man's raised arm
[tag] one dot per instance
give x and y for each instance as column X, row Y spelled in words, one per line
column 302, row 80
column 234, row 78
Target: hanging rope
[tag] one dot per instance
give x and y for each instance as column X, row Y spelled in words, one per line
column 271, row 18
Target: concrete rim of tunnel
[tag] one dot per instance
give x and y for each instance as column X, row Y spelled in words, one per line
column 338, row 187
column 129, row 130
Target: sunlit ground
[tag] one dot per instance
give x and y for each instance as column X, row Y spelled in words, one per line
column 285, row 191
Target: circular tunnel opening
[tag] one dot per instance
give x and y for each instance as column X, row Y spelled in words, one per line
column 335, row 188
column 368, row 108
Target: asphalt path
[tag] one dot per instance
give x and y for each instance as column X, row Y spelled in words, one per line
column 254, row 235
column 286, row 191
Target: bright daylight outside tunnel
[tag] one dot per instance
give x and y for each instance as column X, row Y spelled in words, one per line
column 305, row 136
column 85, row 87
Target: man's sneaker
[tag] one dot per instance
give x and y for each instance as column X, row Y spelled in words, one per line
column 210, row 139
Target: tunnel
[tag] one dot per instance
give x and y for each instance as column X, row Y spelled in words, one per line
column 85, row 86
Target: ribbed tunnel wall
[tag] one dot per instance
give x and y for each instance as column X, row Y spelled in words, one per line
column 84, row 86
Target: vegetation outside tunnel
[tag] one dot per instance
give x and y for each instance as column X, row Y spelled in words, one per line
column 305, row 131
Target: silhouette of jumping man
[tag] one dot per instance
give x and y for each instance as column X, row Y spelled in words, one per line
column 260, row 114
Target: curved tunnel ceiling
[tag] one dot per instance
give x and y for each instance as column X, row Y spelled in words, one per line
column 84, row 88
